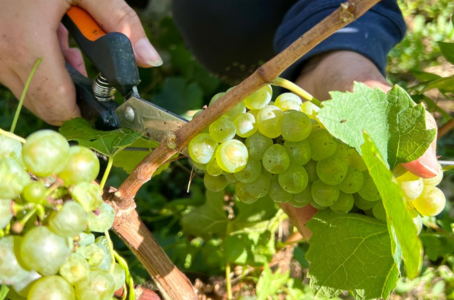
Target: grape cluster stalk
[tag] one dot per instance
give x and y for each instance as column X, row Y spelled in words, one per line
column 50, row 211
column 280, row 150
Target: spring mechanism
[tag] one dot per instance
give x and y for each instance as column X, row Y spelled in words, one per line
column 102, row 90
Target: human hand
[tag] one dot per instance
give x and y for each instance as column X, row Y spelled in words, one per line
column 32, row 29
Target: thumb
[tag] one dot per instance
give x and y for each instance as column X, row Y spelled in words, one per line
column 117, row 15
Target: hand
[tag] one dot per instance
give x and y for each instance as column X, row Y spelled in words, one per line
column 32, row 29
column 335, row 71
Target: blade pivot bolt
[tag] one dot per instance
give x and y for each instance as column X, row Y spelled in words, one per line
column 130, row 115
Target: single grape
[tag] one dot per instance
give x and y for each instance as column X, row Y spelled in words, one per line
column 102, row 219
column 10, row 148
column 51, row 288
column 324, row 194
column 362, row 203
column 5, row 213
column 355, row 160
column 369, row 190
column 311, row 169
column 275, row 159
column 269, row 121
column 277, row 193
column 99, row 285
column 44, row 251
column 11, row 272
column 69, row 221
column 317, row 206
column 93, row 253
column 298, row 152
column 431, row 201
column 243, row 195
column 258, row 188
column 418, row 223
column 332, row 170
column 107, row 259
column 23, row 286
column 82, row 166
column 352, row 182
column 302, row 199
column 119, row 277
column 434, row 181
column 288, row 97
column 289, row 105
column 294, row 180
column 342, row 151
column 310, row 109
column 296, row 126
column 88, row 195
column 267, row 174
column 202, row 148
column 231, row 178
column 13, row 178
column 235, row 111
column 260, row 98
column 86, row 239
column 199, row 166
column 245, row 125
column 75, row 268
column 250, row 173
column 215, row 183
column 411, row 185
column 45, row 153
column 232, row 156
column 379, row 211
column 223, row 129
column 257, row 144
column 344, row 203
column 213, row 168
column 35, row 192
column 322, row 144
column 215, row 98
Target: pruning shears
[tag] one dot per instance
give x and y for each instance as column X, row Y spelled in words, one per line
column 112, row 55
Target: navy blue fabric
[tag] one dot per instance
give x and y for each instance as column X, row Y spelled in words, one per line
column 372, row 35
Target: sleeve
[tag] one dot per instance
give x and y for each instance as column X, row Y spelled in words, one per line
column 373, row 35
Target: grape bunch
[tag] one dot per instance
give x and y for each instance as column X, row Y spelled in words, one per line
column 47, row 220
column 282, row 151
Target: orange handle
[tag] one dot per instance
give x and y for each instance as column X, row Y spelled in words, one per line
column 86, row 24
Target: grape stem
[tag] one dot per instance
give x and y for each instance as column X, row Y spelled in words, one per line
column 286, row 84
column 12, row 136
column 111, row 250
column 24, row 92
column 129, row 281
column 228, row 282
column 106, row 172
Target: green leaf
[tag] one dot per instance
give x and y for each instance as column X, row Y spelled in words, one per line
column 269, row 283
column 108, row 143
column 445, row 84
column 447, row 49
column 3, row 292
column 350, row 252
column 128, row 160
column 424, row 76
column 253, row 249
column 393, row 121
column 396, row 210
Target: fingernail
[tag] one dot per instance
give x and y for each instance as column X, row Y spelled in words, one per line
column 147, row 52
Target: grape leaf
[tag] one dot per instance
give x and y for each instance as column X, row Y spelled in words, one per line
column 444, row 84
column 447, row 49
column 350, row 252
column 396, row 210
column 393, row 121
column 128, row 160
column 254, row 249
column 108, row 143
column 269, row 283
column 3, row 292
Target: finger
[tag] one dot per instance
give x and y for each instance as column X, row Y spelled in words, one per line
column 72, row 55
column 117, row 15
column 299, row 217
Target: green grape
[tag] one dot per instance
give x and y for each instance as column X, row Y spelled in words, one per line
column 215, row 98
column 107, row 259
column 296, row 126
column 411, row 185
column 332, row 170
column 269, row 121
column 418, row 223
column 302, row 199
column 342, row 151
column 215, row 183
column 10, row 148
column 202, row 148
column 258, row 188
column 69, row 221
column 254, row 112
column 369, row 190
column 243, row 195
column 245, row 125
column 23, row 286
column 310, row 109
column 99, row 285
column 267, row 174
column 298, row 152
column 119, row 277
column 44, row 251
column 11, row 272
column 352, row 182
column 257, row 144
column 431, row 201
column 202, row 167
column 277, row 193
column 75, row 268
column 45, row 153
column 311, row 169
column 93, row 253
column 235, row 111
column 289, row 105
column 322, row 144
column 213, row 168
column 35, row 192
column 231, row 178
column 13, row 178
column 88, row 195
column 324, row 194
column 317, row 206
column 102, row 219
column 51, row 288
column 82, row 166
column 223, row 129
column 434, row 181
column 250, row 173
column 355, row 160
column 288, row 97
column 86, row 239
column 232, row 156
column 379, row 211
column 260, row 98
column 362, row 203
column 275, row 159
column 5, row 213
column 344, row 203
column 294, row 180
